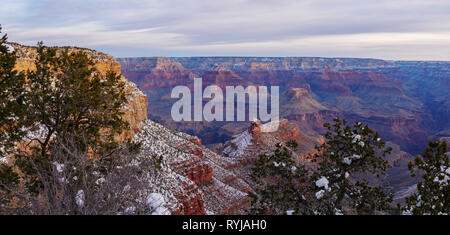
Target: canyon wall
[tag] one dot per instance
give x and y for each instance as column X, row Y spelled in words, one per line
column 407, row 102
column 135, row 109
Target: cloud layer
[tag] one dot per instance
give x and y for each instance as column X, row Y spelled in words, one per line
column 387, row 29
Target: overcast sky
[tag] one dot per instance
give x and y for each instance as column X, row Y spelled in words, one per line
column 385, row 29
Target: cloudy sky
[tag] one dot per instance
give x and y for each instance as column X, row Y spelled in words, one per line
column 386, row 29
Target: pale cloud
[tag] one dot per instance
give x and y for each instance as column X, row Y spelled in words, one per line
column 91, row 34
column 402, row 29
column 375, row 45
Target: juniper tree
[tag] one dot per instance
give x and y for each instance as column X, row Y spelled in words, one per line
column 433, row 191
column 65, row 96
column 282, row 185
column 12, row 99
column 68, row 97
column 12, row 113
column 74, row 183
column 347, row 153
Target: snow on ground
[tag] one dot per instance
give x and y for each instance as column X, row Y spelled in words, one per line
column 79, row 198
column 175, row 148
column 322, row 183
column 156, row 202
column 320, row 194
column 37, row 131
column 59, row 167
column 347, row 161
column 238, row 144
column 272, row 125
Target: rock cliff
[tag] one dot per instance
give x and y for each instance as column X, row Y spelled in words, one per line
column 198, row 178
column 135, row 109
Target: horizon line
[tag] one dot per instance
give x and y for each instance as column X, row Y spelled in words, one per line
column 246, row 56
column 250, row 56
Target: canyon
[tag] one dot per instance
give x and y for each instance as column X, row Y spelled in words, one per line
column 207, row 164
column 405, row 101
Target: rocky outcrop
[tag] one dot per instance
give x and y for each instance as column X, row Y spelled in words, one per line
column 134, row 111
column 246, row 147
column 205, row 185
column 299, row 101
column 26, row 56
column 254, row 141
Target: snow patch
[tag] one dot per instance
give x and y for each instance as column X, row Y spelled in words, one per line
column 293, row 169
column 156, row 202
column 161, row 211
column 79, row 198
column 130, row 210
column 271, row 126
column 238, row 144
column 356, row 138
column 320, row 194
column 100, row 181
column 347, row 161
column 37, row 132
column 322, row 183
column 59, row 167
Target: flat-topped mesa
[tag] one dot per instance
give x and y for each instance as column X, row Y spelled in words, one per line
column 255, row 140
column 258, row 63
column 135, row 109
column 150, row 62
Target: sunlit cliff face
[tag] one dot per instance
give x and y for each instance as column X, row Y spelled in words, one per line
column 134, row 111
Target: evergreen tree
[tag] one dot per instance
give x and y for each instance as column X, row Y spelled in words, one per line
column 348, row 154
column 12, row 99
column 68, row 97
column 12, row 115
column 335, row 186
column 433, row 192
column 64, row 109
column 282, row 185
